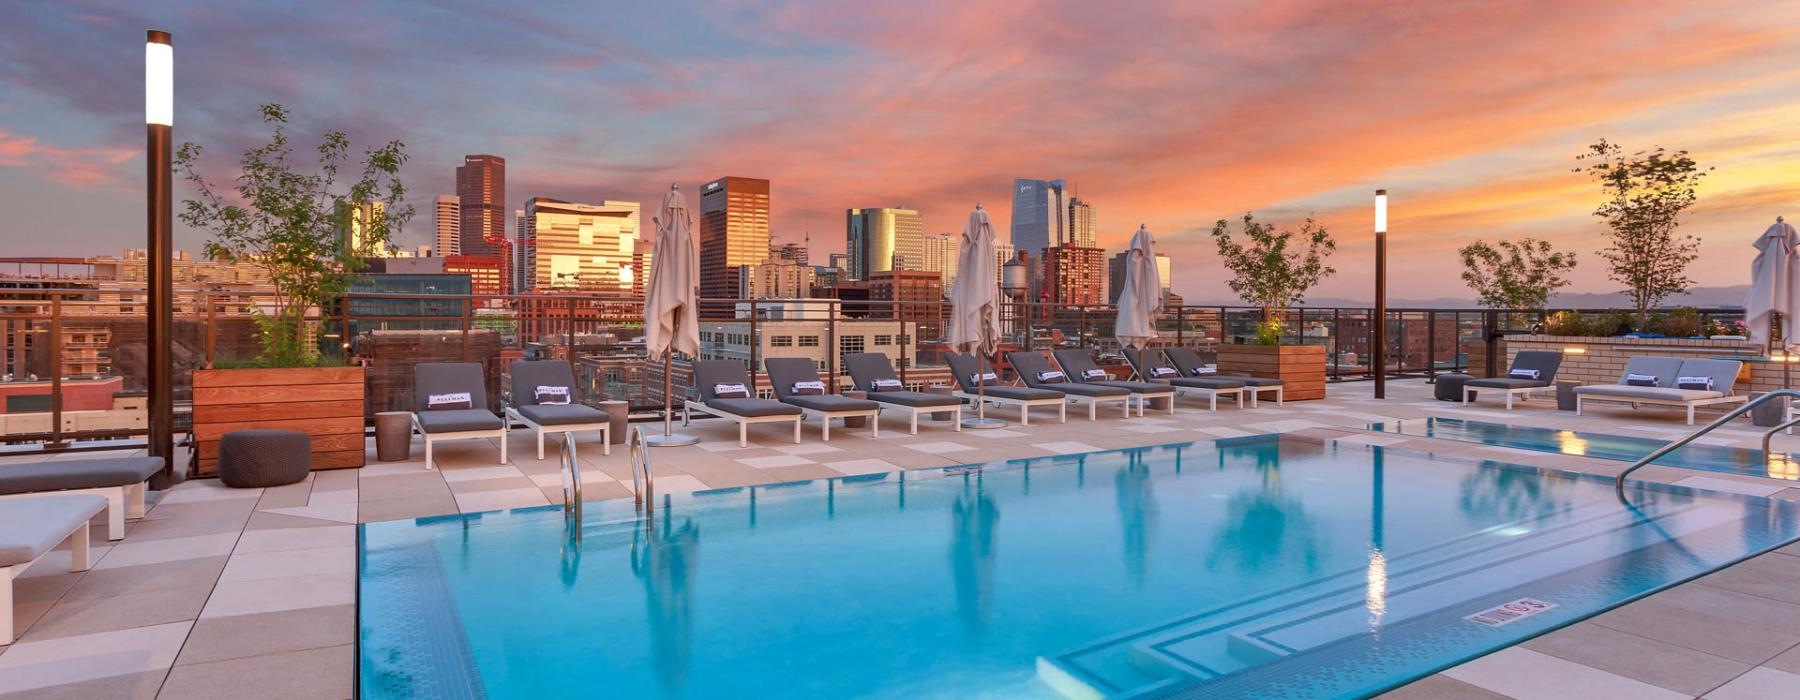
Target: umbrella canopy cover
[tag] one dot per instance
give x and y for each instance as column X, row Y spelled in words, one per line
column 1140, row 300
column 671, row 301
column 975, row 295
column 1774, row 283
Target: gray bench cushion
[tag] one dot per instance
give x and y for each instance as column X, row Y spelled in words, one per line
column 562, row 414
column 753, row 408
column 1507, row 383
column 77, row 474
column 456, row 421
column 1207, row 383
column 831, row 403
column 29, row 527
column 1018, row 393
column 1655, row 393
column 914, row 399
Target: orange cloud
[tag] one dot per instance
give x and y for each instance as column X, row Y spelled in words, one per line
column 83, row 167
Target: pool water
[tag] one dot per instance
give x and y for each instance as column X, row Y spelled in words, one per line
column 1715, row 458
column 1253, row 567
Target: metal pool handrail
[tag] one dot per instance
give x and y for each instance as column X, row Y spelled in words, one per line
column 643, row 493
column 571, row 468
column 1681, row 442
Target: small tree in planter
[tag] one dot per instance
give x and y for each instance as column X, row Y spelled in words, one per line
column 1273, row 270
column 294, row 223
column 1645, row 192
column 1515, row 275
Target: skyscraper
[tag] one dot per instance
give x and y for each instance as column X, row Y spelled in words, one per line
column 795, row 252
column 1040, row 215
column 1115, row 274
column 940, row 256
column 522, row 249
column 1074, row 275
column 1081, row 224
column 734, row 231
column 354, row 221
column 449, row 225
column 878, row 237
column 580, row 247
column 481, row 195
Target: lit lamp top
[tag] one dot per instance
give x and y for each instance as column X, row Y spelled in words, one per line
column 159, row 79
column 1381, row 211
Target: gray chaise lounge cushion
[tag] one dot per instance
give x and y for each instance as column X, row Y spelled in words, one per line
column 1028, row 364
column 1076, row 363
column 1544, row 361
column 460, row 420
column 784, row 372
column 448, row 378
column 77, row 474
column 1655, row 393
column 1186, row 359
column 964, row 366
column 866, row 367
column 1665, row 369
column 29, row 527
column 1146, row 363
column 710, row 372
column 559, row 414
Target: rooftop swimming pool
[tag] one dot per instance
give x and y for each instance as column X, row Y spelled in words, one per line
column 1714, row 458
column 1254, row 567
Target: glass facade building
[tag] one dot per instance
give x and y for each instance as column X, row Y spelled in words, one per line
column 734, row 231
column 570, row 246
column 878, row 237
column 1040, row 215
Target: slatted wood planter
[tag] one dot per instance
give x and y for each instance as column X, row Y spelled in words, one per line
column 1301, row 367
column 323, row 402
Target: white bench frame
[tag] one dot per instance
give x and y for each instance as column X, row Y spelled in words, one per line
column 78, row 561
column 743, row 422
column 914, row 411
column 1524, row 393
column 1212, row 395
column 500, row 432
column 1581, row 399
column 873, row 414
column 122, row 503
column 605, row 428
column 1025, row 405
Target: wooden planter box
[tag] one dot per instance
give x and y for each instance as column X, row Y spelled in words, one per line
column 1301, row 367
column 324, row 402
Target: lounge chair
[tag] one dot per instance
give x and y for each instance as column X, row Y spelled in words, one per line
column 1668, row 381
column 1189, row 362
column 1079, row 364
column 966, row 369
column 1531, row 370
column 874, row 373
column 718, row 382
column 543, row 397
column 1150, row 367
column 1034, row 369
column 450, row 403
column 29, row 529
column 791, row 375
column 120, row 480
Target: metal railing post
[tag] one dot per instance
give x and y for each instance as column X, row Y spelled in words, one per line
column 831, row 347
column 755, row 344
column 56, row 370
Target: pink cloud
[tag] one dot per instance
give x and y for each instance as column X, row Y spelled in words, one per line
column 81, row 167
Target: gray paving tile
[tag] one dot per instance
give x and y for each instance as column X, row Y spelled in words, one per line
column 241, row 636
column 1701, row 631
column 1440, row 687
column 1760, row 684
column 190, row 573
column 312, row 674
column 92, row 615
column 1658, row 663
column 1786, row 661
column 131, row 686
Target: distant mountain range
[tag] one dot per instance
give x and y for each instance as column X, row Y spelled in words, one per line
column 1732, row 296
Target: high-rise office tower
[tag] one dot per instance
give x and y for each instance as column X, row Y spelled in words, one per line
column 1074, row 275
column 940, row 255
column 449, row 225
column 353, row 228
column 775, row 278
column 793, row 252
column 1115, row 274
column 1040, row 215
column 734, row 231
column 521, row 254
column 481, row 195
column 883, row 238
column 580, row 247
column 1165, row 271
column 1080, row 231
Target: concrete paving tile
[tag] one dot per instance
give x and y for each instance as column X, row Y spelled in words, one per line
column 90, row 616
column 1786, row 661
column 1529, row 675
column 278, row 521
column 290, row 563
column 1760, row 684
column 134, row 553
column 752, row 477
column 130, row 686
column 862, row 466
column 1662, row 621
column 241, row 636
column 204, row 510
column 1769, row 576
column 287, row 496
column 277, row 594
column 1440, row 687
column 169, row 528
column 182, row 574
column 276, row 540
column 1658, row 663
column 802, row 472
column 515, row 481
column 321, row 674
column 29, row 665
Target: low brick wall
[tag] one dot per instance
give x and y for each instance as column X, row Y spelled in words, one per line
column 1602, row 360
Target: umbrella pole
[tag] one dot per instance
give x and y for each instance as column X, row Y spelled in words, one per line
column 669, row 438
column 981, row 421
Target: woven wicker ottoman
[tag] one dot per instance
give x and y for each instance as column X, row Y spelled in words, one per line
column 264, row 457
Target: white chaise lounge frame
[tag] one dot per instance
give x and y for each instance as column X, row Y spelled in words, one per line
column 743, row 422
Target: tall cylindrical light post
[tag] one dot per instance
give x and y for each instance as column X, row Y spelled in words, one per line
column 159, row 123
column 1379, row 322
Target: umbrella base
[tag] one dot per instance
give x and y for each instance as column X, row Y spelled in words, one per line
column 670, row 440
column 983, row 423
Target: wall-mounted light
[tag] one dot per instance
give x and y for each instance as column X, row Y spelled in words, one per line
column 1574, row 350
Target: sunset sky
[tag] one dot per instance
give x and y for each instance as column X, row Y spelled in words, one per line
column 1169, row 114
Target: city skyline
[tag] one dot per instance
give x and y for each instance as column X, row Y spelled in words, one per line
column 1470, row 116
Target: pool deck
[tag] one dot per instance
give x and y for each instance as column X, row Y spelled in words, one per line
column 249, row 593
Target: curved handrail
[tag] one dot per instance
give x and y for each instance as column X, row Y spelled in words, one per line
column 1678, row 443
column 571, row 468
column 643, row 493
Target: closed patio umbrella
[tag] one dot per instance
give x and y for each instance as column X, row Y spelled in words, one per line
column 975, row 304
column 1774, row 284
column 671, row 302
column 1140, row 300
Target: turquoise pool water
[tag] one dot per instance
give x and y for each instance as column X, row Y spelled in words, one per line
column 1627, row 448
column 1254, row 567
